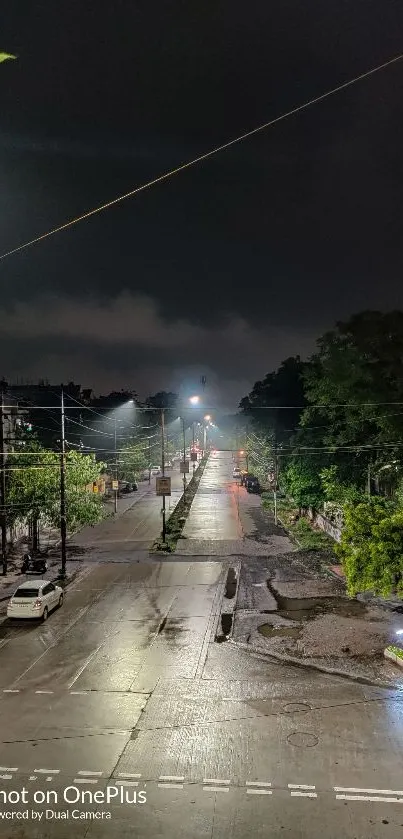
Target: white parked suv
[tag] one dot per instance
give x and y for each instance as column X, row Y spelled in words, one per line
column 34, row 600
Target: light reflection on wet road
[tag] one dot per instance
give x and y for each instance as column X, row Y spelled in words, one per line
column 127, row 683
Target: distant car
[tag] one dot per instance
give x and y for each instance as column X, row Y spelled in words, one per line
column 168, row 464
column 244, row 477
column 126, row 489
column 155, row 470
column 35, row 600
column 236, row 472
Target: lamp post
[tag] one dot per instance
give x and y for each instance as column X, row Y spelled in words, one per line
column 194, row 400
column 207, row 419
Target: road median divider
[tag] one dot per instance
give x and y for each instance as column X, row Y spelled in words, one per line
column 177, row 519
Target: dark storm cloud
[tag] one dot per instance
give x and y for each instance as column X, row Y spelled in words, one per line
column 127, row 343
column 291, row 230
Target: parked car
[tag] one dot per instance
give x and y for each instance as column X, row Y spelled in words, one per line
column 236, row 472
column 155, row 470
column 252, row 484
column 34, row 600
column 127, row 488
column 244, row 477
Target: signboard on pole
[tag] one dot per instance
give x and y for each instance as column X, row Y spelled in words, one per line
column 193, row 457
column 115, row 484
column 163, row 486
column 184, row 467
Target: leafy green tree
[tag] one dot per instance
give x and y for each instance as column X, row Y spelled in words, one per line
column 283, row 387
column 132, row 461
column 33, row 487
column 358, row 366
column 371, row 547
column 302, row 483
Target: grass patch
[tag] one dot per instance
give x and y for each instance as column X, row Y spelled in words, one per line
column 177, row 519
column 305, row 534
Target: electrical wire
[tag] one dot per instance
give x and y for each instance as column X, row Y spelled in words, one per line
column 190, row 163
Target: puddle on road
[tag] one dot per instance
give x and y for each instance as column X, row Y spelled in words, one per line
column 309, row 608
column 226, row 624
column 280, row 631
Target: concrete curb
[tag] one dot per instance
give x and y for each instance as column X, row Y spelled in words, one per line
column 329, row 671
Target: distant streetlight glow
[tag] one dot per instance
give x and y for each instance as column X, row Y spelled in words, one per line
column 207, row 417
column 194, row 400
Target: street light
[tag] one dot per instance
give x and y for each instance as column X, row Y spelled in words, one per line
column 194, row 400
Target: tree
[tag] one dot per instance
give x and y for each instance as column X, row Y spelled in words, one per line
column 302, row 483
column 371, row 547
column 283, row 387
column 33, row 487
column 357, row 370
column 133, row 460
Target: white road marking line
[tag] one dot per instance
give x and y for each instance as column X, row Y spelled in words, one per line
column 49, row 778
column 259, row 791
column 44, row 691
column 301, row 794
column 377, row 791
column 215, row 789
column 215, row 781
column 300, row 786
column 6, row 777
column 9, row 769
column 85, row 780
column 84, row 772
column 170, row 786
column 129, row 774
column 196, row 698
column 385, row 799
column 127, row 783
column 32, row 778
column 47, row 771
column 172, row 778
column 79, row 692
column 11, row 691
column 258, row 784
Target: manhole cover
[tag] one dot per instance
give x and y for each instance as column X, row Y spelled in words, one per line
column 297, row 708
column 302, row 739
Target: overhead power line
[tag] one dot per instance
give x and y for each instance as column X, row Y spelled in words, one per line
column 166, row 175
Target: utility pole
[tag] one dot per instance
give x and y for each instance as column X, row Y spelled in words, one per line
column 184, row 458
column 116, row 463
column 63, row 525
column 3, row 489
column 369, row 480
column 164, row 530
column 193, row 431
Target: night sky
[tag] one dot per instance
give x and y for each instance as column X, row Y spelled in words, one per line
column 232, row 266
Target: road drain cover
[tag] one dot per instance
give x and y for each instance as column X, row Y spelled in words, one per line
column 302, row 739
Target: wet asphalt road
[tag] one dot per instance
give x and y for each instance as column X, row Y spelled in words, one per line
column 136, row 528
column 125, row 686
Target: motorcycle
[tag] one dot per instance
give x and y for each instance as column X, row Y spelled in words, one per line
column 33, row 565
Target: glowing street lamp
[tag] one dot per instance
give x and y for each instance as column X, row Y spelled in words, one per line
column 194, row 400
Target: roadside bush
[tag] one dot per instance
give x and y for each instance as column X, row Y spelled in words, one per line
column 371, row 548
